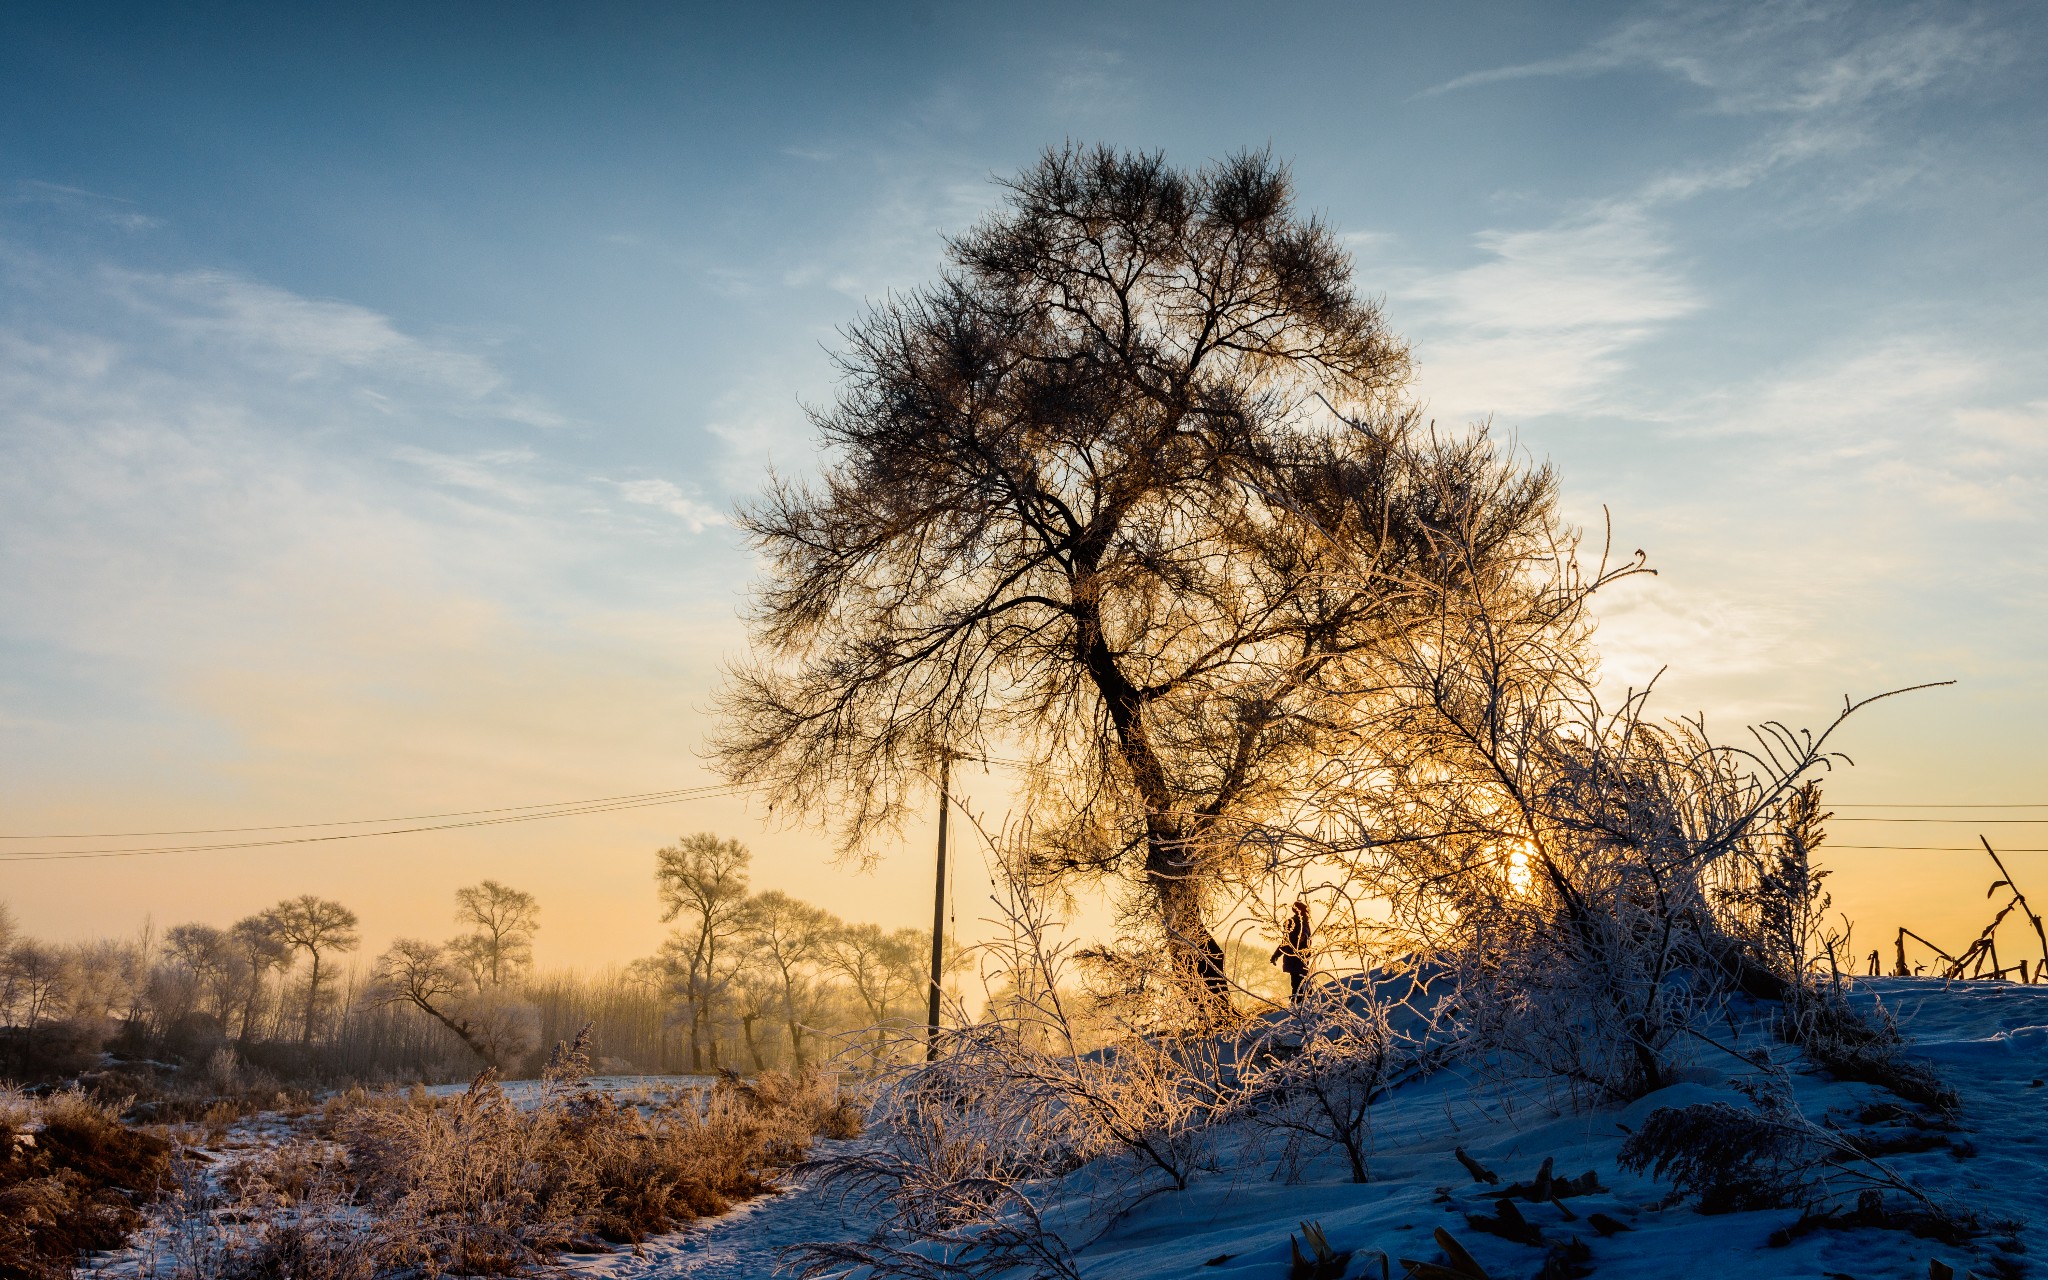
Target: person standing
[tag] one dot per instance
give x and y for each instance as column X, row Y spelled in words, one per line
column 1292, row 955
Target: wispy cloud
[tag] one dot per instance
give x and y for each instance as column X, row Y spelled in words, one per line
column 1545, row 322
column 1793, row 58
column 1090, row 84
column 1542, row 323
column 312, row 338
column 91, row 206
column 204, row 476
column 1896, row 422
column 696, row 516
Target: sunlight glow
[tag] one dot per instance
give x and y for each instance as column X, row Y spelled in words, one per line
column 1520, row 876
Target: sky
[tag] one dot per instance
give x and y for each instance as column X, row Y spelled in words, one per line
column 377, row 382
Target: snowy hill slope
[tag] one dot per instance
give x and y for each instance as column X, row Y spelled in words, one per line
column 1990, row 1040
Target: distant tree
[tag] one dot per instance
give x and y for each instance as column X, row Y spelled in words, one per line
column 886, row 970
column 261, row 950
column 208, row 954
column 107, row 980
column 755, row 993
column 502, row 923
column 319, row 927
column 423, row 975
column 703, row 881
column 1130, row 485
column 35, row 977
column 788, row 937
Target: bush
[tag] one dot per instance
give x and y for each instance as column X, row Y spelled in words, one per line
column 1317, row 1069
column 1728, row 1158
column 1863, row 1050
column 479, row 1184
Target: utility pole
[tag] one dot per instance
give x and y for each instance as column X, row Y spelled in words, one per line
column 931, row 1035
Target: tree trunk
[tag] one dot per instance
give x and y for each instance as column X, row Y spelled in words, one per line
column 796, row 1035
column 312, row 999
column 1168, row 864
column 249, row 1007
column 461, row 1030
column 747, row 1021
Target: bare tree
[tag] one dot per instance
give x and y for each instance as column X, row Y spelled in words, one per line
column 884, row 968
column 703, row 880
column 1130, row 486
column 107, row 980
column 502, row 923
column 261, row 950
column 36, row 977
column 755, row 993
column 317, row 926
column 209, row 955
column 423, row 975
column 788, row 937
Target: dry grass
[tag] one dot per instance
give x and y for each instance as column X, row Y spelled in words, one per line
column 72, row 1178
column 1865, row 1049
column 407, row 1184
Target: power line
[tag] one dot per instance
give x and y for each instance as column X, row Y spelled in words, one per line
column 1960, row 822
column 64, row 855
column 349, row 822
column 1925, row 848
column 1903, row 805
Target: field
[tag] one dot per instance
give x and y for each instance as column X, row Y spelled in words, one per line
column 1465, row 1161
column 492, row 1180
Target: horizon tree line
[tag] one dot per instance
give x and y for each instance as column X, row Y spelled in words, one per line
column 746, row 980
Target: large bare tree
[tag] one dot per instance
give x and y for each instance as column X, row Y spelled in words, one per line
column 1132, row 486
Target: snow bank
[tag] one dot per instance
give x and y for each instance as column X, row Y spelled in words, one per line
column 1989, row 1039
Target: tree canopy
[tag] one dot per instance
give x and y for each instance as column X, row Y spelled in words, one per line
column 1131, row 488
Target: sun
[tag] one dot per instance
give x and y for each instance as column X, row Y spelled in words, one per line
column 1520, row 874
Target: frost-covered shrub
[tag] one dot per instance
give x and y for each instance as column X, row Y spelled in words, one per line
column 1313, row 1073
column 1864, row 1049
column 479, row 1184
column 1599, row 879
column 1728, row 1158
column 996, row 1233
column 1099, row 1099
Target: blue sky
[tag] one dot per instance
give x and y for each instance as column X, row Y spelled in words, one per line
column 374, row 382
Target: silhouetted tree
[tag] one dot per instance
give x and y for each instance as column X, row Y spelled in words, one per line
column 788, row 938
column 1130, row 485
column 208, row 955
column 261, row 950
column 423, row 975
column 703, row 880
column 316, row 926
column 502, row 923
column 885, row 969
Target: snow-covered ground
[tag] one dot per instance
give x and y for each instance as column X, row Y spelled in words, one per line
column 525, row 1094
column 1990, row 1040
